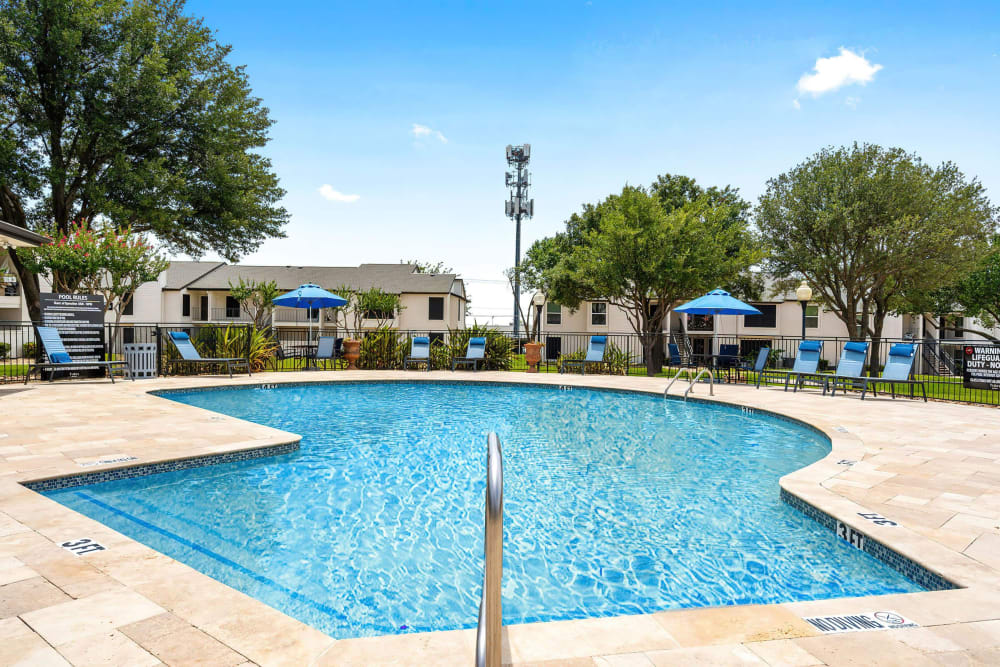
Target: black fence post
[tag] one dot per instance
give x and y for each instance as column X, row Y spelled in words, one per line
column 159, row 352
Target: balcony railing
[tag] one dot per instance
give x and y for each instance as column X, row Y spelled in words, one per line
column 296, row 315
column 229, row 315
column 218, row 315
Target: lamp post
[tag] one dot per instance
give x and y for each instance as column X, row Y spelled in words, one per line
column 804, row 294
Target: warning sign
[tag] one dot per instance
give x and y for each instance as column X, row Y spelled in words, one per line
column 872, row 620
column 981, row 367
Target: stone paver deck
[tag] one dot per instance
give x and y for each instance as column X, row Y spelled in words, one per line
column 932, row 468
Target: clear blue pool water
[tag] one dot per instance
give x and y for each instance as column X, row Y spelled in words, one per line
column 615, row 503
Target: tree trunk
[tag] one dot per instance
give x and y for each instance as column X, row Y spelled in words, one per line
column 875, row 358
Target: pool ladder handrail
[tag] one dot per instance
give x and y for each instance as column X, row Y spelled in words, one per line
column 489, row 632
column 690, row 387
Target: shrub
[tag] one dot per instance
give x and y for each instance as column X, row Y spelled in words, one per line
column 4, row 350
column 29, row 350
column 382, row 349
column 618, row 359
column 499, row 349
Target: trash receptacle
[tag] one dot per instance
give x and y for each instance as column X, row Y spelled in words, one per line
column 141, row 358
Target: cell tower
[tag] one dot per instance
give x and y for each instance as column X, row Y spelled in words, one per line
column 517, row 207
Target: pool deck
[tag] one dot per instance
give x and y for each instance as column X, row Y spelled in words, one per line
column 934, row 469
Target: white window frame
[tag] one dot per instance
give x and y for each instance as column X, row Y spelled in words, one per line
column 603, row 315
column 812, row 321
column 549, row 313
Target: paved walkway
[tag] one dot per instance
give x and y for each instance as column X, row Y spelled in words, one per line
column 934, row 469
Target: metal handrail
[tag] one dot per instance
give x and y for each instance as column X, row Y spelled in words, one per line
column 711, row 382
column 488, row 635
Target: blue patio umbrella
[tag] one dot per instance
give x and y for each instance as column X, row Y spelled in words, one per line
column 717, row 302
column 309, row 296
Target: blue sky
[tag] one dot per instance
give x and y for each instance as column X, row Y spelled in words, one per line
column 402, row 110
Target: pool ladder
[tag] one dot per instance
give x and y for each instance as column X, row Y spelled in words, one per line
column 690, row 387
column 489, row 632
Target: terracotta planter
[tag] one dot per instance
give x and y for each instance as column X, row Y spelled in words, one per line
column 533, row 355
column 352, row 350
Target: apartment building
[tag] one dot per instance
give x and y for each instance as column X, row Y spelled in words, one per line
column 193, row 293
column 780, row 318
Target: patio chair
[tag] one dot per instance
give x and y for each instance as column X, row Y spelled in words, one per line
column 806, row 364
column 189, row 355
column 675, row 360
column 420, row 352
column 475, row 352
column 326, row 350
column 729, row 356
column 850, row 368
column 59, row 359
column 897, row 370
column 758, row 365
column 595, row 355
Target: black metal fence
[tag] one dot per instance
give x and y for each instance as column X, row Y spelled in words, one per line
column 283, row 348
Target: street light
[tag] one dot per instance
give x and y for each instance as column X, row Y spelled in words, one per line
column 804, row 294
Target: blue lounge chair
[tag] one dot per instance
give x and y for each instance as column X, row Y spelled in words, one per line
column 59, row 359
column 595, row 355
column 474, row 354
column 897, row 371
column 189, row 355
column 806, row 363
column 420, row 352
column 850, row 368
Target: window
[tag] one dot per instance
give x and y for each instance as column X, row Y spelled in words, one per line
column 378, row 314
column 599, row 314
column 129, row 305
column 701, row 322
column 862, row 331
column 553, row 313
column 435, row 308
column 766, row 320
column 185, row 305
column 128, row 335
column 313, row 314
column 812, row 317
column 232, row 307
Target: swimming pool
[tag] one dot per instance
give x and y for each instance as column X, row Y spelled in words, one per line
column 616, row 503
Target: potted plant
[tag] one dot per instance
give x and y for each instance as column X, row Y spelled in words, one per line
column 373, row 303
column 533, row 354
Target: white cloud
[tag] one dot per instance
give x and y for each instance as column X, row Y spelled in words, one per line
column 829, row 74
column 795, row 103
column 852, row 102
column 327, row 191
column 422, row 131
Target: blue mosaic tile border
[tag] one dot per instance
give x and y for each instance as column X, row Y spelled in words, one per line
column 910, row 569
column 141, row 470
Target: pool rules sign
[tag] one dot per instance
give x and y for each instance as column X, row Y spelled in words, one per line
column 981, row 367
column 79, row 318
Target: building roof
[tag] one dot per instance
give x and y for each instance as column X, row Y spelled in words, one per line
column 395, row 278
column 19, row 237
column 180, row 274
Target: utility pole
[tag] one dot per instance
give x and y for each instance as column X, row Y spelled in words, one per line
column 517, row 207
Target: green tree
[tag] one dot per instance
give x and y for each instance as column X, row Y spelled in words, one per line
column 866, row 226
column 978, row 294
column 644, row 252
column 256, row 299
column 428, row 267
column 129, row 111
column 105, row 261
